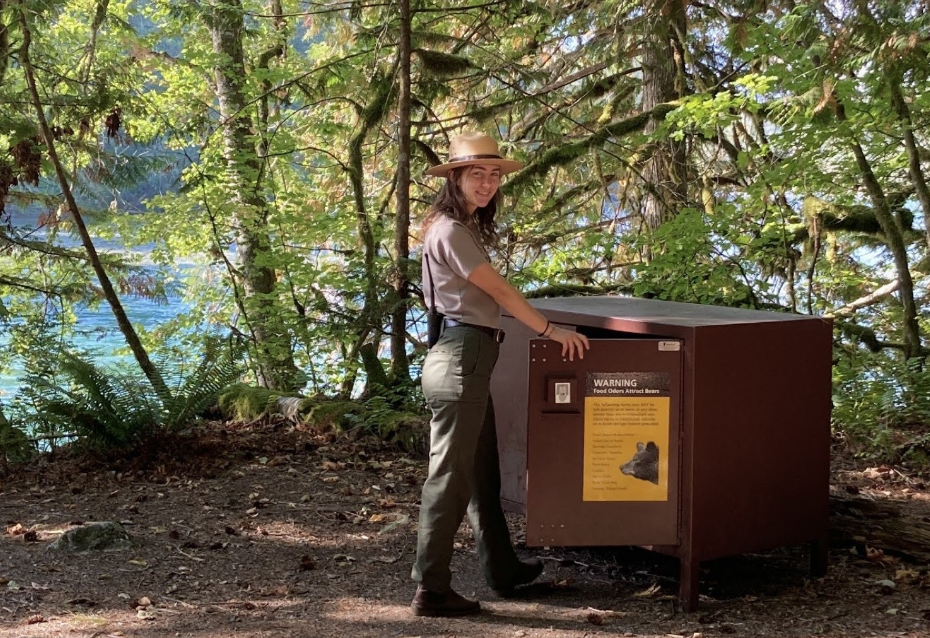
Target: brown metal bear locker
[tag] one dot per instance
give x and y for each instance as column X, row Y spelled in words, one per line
column 695, row 431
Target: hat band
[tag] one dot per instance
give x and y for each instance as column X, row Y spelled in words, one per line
column 468, row 158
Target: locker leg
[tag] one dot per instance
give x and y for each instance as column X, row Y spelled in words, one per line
column 819, row 551
column 688, row 591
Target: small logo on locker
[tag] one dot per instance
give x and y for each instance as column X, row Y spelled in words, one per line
column 669, row 346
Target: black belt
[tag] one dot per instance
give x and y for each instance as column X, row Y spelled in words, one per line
column 495, row 333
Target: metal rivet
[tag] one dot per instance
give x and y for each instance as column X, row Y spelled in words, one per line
column 544, row 358
column 533, row 359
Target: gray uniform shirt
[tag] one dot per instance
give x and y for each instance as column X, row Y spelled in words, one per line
column 454, row 253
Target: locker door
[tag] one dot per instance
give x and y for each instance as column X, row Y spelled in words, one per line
column 603, row 438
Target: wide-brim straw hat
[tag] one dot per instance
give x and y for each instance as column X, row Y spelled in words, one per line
column 469, row 149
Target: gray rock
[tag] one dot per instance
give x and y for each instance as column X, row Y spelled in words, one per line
column 94, row 537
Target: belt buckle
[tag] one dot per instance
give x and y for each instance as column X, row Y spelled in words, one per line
column 499, row 335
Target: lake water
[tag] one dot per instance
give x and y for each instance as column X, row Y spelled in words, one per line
column 98, row 332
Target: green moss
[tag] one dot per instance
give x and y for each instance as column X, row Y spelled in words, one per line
column 409, row 432
column 241, row 402
column 337, row 415
column 441, row 64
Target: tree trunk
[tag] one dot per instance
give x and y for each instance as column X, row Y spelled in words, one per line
column 122, row 320
column 895, row 240
column 272, row 342
column 663, row 82
column 400, row 365
column 4, row 46
column 370, row 316
column 913, row 154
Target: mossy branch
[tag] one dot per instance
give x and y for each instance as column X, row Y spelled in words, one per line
column 855, row 218
column 572, row 290
column 442, row 65
column 567, row 153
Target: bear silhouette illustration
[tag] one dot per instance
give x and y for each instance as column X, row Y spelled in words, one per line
column 645, row 463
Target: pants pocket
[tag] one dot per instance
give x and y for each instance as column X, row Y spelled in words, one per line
column 456, row 368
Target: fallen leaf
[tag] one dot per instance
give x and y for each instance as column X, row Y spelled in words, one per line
column 330, row 479
column 878, row 556
column 145, row 601
column 146, row 614
column 886, row 586
column 399, row 521
column 35, row 619
column 648, row 592
column 139, row 562
column 906, row 575
column 306, row 563
column 16, row 530
column 606, row 613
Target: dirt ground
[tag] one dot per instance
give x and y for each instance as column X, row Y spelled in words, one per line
column 270, row 531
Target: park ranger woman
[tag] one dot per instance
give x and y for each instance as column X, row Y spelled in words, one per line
column 464, row 476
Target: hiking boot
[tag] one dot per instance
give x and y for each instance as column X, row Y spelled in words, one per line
column 527, row 571
column 431, row 603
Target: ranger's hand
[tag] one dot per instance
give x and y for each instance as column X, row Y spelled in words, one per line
column 571, row 341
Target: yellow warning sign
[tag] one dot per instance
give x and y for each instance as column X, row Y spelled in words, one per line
column 626, row 432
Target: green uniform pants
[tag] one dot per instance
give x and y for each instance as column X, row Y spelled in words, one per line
column 464, row 471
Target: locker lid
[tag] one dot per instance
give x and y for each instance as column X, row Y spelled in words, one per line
column 629, row 314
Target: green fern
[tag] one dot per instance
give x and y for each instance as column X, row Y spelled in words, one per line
column 218, row 369
column 108, row 409
column 113, row 409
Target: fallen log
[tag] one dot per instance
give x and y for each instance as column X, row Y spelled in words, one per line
column 883, row 524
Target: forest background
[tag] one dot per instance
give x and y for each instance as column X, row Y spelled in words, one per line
column 267, row 159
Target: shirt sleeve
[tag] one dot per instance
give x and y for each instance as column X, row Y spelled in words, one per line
column 456, row 247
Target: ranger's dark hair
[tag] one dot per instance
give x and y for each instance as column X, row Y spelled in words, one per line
column 451, row 202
